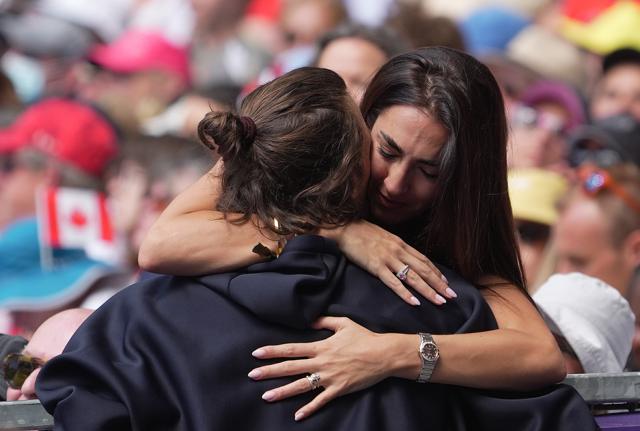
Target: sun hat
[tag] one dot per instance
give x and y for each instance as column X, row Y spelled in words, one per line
column 561, row 60
column 592, row 316
column 26, row 285
column 534, row 194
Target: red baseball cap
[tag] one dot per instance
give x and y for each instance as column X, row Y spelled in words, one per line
column 137, row 51
column 67, row 130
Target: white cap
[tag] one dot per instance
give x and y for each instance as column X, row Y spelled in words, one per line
column 592, row 316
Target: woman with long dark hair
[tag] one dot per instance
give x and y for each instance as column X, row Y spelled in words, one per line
column 438, row 186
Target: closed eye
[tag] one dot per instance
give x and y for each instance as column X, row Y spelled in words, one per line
column 386, row 154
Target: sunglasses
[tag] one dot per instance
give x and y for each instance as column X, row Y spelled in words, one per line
column 603, row 157
column 595, row 181
column 526, row 116
column 17, row 367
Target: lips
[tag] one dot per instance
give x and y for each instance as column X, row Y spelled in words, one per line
column 388, row 203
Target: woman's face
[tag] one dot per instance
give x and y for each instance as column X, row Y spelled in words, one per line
column 405, row 163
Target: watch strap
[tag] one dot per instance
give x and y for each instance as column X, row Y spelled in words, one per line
column 427, row 365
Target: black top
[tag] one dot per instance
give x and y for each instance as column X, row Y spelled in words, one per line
column 173, row 353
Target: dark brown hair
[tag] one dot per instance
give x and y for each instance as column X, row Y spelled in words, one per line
column 302, row 163
column 469, row 226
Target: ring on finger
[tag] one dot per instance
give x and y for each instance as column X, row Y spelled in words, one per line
column 402, row 274
column 314, row 381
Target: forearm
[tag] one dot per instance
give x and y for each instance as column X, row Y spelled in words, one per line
column 191, row 238
column 499, row 359
column 199, row 243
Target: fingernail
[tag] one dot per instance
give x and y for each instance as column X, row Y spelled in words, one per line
column 440, row 300
column 258, row 353
column 414, row 300
column 444, row 279
column 449, row 291
column 254, row 374
column 299, row 416
column 269, row 396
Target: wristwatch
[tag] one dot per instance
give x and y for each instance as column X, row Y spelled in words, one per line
column 429, row 354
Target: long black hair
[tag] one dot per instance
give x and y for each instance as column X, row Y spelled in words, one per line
column 469, row 225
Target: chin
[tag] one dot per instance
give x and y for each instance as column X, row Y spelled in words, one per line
column 386, row 217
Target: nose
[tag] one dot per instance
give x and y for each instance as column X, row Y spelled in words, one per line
column 396, row 182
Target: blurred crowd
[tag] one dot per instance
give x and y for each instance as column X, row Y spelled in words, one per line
column 99, row 103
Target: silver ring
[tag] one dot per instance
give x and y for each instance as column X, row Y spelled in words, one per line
column 314, row 381
column 402, row 274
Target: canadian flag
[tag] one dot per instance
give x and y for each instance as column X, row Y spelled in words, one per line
column 73, row 218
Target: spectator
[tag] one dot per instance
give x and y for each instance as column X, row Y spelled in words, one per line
column 56, row 142
column 617, row 91
column 48, row 145
column 422, row 29
column 33, row 292
column 305, row 21
column 221, row 54
column 41, row 62
column 547, row 112
column 607, row 142
column 591, row 321
column 534, row 195
column 598, row 231
column 47, row 341
column 136, row 77
column 356, row 53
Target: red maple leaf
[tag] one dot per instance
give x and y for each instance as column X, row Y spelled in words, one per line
column 78, row 218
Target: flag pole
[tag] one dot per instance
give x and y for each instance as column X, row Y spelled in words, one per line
column 46, row 251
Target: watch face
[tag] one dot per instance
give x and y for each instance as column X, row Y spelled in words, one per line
column 430, row 351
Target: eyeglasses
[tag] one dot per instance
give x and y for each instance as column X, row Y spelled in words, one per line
column 530, row 117
column 17, row 367
column 595, row 181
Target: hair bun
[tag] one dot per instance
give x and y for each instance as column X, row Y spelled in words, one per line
column 231, row 135
column 250, row 130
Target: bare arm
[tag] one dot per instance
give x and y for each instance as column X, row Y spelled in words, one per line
column 191, row 238
column 520, row 355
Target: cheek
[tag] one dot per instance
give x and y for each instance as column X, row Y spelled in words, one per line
column 424, row 191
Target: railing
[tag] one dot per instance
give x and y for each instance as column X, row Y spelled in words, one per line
column 24, row 415
column 610, row 391
column 603, row 392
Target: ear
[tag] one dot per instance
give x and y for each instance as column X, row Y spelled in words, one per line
column 631, row 248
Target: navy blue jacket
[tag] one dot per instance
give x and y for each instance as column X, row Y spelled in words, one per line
column 173, row 353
